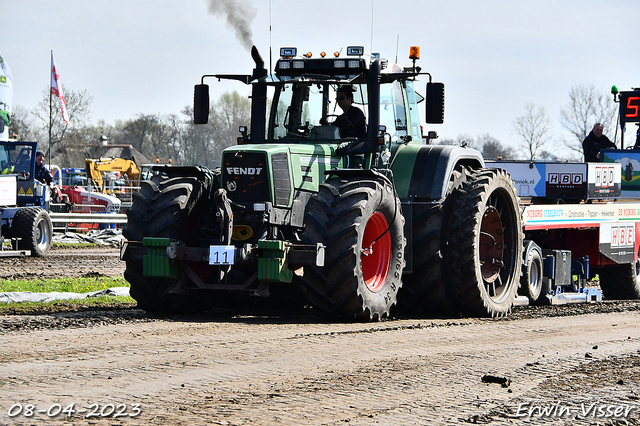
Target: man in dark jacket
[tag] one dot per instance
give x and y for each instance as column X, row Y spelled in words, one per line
column 43, row 175
column 352, row 122
column 594, row 143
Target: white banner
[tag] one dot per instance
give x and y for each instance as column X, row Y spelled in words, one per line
column 6, row 97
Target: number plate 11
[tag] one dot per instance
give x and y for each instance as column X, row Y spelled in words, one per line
column 221, row 255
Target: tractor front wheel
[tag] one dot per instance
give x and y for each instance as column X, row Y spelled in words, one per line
column 33, row 230
column 361, row 225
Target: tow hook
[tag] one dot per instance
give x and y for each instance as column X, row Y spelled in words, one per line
column 224, row 209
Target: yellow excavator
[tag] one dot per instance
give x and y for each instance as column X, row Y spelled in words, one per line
column 128, row 170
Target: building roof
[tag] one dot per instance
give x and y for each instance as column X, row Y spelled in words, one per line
column 126, row 152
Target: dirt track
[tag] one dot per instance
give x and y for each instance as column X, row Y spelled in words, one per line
column 99, row 261
column 290, row 370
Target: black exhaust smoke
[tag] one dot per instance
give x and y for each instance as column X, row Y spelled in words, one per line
column 239, row 14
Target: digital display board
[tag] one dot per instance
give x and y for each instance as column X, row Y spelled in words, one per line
column 630, row 106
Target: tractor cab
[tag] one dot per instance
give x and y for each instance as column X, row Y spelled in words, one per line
column 19, row 158
column 303, row 94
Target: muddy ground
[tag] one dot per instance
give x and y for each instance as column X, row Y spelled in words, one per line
column 577, row 364
column 75, row 262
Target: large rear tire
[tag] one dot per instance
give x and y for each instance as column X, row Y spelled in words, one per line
column 160, row 209
column 33, row 229
column 484, row 255
column 620, row 281
column 361, row 225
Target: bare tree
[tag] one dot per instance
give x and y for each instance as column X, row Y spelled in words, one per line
column 490, row 147
column 78, row 144
column 23, row 125
column 460, row 140
column 533, row 127
column 79, row 110
column 197, row 142
column 203, row 144
column 548, row 156
column 154, row 135
column 493, row 149
column 230, row 112
column 586, row 107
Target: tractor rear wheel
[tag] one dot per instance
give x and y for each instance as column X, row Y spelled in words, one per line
column 33, row 229
column 160, row 209
column 484, row 255
column 361, row 225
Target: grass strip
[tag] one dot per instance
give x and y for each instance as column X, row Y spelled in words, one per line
column 71, row 285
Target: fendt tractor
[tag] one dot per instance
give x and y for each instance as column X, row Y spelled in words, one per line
column 304, row 213
column 24, row 202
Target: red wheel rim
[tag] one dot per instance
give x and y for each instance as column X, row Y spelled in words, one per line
column 491, row 245
column 375, row 261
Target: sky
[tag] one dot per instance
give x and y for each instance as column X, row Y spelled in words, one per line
column 494, row 56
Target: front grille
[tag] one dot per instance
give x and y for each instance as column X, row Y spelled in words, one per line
column 245, row 176
column 281, row 181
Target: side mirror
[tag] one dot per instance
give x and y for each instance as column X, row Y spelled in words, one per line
column 201, row 104
column 435, row 103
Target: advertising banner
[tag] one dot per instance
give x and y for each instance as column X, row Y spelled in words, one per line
column 6, row 98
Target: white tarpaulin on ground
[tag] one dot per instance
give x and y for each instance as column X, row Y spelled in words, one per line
column 102, row 237
column 27, row 296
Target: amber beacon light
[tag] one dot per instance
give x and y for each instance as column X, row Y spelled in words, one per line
column 414, row 52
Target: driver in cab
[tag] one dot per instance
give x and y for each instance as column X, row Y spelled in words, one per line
column 351, row 122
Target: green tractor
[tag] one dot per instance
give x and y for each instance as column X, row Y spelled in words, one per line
column 305, row 210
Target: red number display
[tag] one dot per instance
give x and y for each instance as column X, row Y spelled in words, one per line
column 630, row 106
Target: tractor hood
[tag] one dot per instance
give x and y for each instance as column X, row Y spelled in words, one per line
column 272, row 172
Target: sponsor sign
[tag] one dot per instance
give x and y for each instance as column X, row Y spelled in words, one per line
column 604, row 180
column 618, row 241
column 566, row 180
column 8, row 193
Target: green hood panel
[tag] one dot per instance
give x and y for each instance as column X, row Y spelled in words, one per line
column 298, row 166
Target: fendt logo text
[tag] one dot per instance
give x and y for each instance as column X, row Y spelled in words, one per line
column 251, row 171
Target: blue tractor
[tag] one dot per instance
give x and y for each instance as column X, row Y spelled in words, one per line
column 24, row 202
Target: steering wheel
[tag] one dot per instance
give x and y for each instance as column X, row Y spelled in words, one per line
column 333, row 118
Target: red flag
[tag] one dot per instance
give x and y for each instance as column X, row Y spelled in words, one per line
column 56, row 89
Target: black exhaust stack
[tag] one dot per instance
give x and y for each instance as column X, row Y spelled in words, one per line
column 258, row 99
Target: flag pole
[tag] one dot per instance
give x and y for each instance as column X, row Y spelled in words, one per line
column 50, row 110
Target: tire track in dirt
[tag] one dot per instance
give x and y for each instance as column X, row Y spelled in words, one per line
column 263, row 371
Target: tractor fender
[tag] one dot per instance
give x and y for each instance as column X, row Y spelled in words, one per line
column 422, row 172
